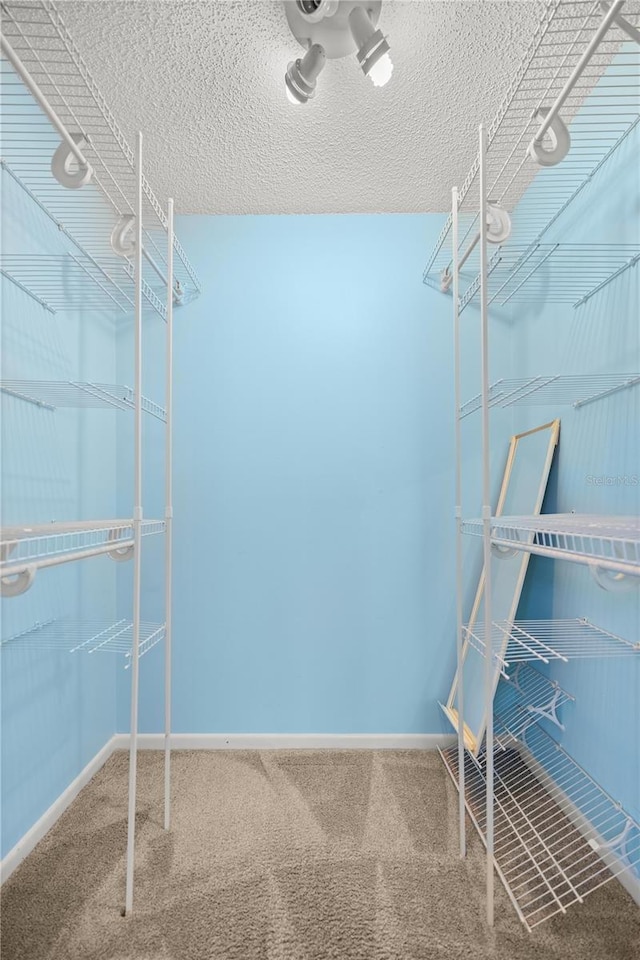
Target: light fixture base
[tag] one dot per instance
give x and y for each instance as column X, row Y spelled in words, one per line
column 327, row 23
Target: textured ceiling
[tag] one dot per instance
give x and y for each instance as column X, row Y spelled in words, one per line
column 204, row 82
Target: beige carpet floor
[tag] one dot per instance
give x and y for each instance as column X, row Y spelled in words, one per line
column 283, row 856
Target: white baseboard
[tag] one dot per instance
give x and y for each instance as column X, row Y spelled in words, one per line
column 289, row 741
column 215, row 741
column 25, row 845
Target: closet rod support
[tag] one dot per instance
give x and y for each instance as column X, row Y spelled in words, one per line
column 71, row 140
column 551, row 115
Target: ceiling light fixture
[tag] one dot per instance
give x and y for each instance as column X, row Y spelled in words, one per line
column 332, row 29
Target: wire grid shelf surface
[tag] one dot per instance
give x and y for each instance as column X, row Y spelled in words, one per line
column 88, row 636
column 522, row 699
column 558, row 389
column 600, row 111
column 557, row 272
column 610, row 542
column 51, row 543
column 558, row 835
column 71, row 393
column 541, row 641
column 76, row 281
column 37, row 34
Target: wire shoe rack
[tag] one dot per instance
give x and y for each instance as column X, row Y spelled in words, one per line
column 558, row 836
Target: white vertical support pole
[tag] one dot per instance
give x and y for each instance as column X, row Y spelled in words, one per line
column 169, row 522
column 137, row 529
column 486, row 520
column 458, row 512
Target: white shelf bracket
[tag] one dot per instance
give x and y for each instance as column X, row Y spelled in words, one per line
column 618, row 845
column 16, row 583
column 69, row 153
column 549, row 710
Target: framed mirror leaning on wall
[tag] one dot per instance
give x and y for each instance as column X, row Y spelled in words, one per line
column 521, row 494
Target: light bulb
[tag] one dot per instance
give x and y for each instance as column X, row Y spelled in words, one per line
column 380, row 72
column 301, row 76
column 372, row 47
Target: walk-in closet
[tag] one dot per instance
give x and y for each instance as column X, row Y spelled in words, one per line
column 320, row 479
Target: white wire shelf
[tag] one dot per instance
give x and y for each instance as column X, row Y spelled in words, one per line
column 49, row 544
column 558, row 835
column 51, row 394
column 559, row 389
column 76, row 281
column 38, row 36
column 601, row 110
column 521, row 700
column 606, row 542
column 87, row 636
column 558, row 272
column 543, row 641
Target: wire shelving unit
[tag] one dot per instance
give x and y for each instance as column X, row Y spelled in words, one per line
column 609, row 542
column 558, row 836
column 550, row 831
column 576, row 390
column 52, row 394
column 116, row 251
column 598, row 88
column 88, row 636
column 34, row 32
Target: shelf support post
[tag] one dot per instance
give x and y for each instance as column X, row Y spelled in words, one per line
column 458, row 510
column 137, row 532
column 168, row 520
column 486, row 519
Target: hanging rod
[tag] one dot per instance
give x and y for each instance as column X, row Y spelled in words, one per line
column 35, row 90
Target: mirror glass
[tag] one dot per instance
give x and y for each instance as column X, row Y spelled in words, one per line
column 522, row 492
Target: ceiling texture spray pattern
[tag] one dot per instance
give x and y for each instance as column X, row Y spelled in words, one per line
column 204, row 81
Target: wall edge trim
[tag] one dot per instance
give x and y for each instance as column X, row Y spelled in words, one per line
column 290, row 741
column 41, row 827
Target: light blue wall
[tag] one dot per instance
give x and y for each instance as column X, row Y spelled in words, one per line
column 57, row 710
column 313, row 493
